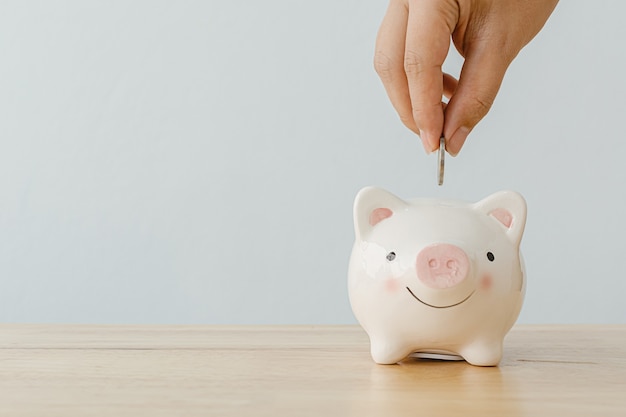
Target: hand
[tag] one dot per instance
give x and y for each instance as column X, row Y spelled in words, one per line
column 413, row 42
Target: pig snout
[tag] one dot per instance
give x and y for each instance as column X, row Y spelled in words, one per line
column 442, row 265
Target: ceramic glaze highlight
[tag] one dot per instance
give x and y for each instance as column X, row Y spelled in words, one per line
column 434, row 276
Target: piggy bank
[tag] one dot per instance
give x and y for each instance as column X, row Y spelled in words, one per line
column 432, row 277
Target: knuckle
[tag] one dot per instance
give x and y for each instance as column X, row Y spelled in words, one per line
column 428, row 115
column 413, row 62
column 383, row 65
column 482, row 104
column 475, row 108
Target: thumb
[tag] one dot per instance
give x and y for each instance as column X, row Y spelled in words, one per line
column 479, row 82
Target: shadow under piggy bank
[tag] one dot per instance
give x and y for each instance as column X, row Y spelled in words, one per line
column 431, row 387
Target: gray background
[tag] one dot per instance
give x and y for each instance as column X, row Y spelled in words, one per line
column 196, row 161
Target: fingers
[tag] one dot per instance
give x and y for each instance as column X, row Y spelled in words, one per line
column 389, row 58
column 476, row 91
column 427, row 44
column 412, row 44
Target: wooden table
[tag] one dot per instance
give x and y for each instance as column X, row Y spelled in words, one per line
column 85, row 370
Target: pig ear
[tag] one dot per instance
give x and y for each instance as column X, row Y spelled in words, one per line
column 508, row 208
column 373, row 205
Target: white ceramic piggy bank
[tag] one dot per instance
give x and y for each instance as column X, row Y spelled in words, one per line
column 437, row 277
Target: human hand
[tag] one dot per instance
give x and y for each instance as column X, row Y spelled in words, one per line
column 413, row 42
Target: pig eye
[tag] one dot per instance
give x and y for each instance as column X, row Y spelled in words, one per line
column 391, row 256
column 490, row 256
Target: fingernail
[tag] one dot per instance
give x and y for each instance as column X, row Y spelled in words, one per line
column 457, row 140
column 425, row 142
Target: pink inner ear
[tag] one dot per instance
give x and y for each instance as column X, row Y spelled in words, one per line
column 379, row 214
column 503, row 216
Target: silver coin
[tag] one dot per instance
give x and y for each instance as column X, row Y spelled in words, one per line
column 442, row 154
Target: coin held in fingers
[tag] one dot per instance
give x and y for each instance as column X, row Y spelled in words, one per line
column 441, row 160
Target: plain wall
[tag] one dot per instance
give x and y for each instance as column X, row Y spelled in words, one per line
column 196, row 161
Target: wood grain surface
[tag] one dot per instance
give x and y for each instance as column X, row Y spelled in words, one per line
column 87, row 370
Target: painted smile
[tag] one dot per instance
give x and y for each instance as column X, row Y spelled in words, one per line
column 430, row 305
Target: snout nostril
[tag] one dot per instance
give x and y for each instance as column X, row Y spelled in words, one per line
column 442, row 265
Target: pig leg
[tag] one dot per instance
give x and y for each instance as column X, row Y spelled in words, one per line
column 483, row 352
column 388, row 351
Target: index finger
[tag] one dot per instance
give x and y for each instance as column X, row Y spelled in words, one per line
column 426, row 47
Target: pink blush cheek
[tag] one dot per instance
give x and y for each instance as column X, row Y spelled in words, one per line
column 391, row 284
column 486, row 282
